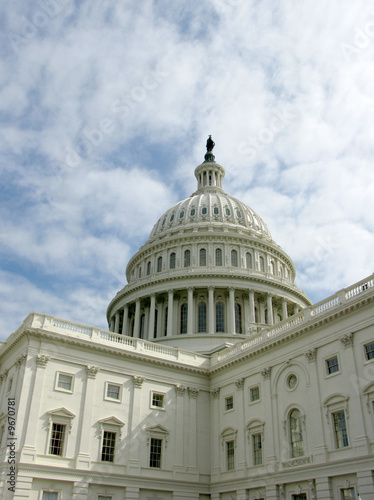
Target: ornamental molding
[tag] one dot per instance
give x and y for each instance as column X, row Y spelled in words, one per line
column 180, row 390
column 111, row 422
column 215, row 393
column 138, row 381
column 193, row 392
column 347, row 340
column 266, row 372
column 21, row 360
column 92, row 371
column 311, row 355
column 239, row 383
column 296, row 462
column 42, row 360
column 60, row 415
column 157, row 431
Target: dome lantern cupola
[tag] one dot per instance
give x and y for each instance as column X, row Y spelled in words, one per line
column 209, row 174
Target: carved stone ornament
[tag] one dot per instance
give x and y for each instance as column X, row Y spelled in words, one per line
column 21, row 360
column 311, row 355
column 138, row 381
column 215, row 393
column 91, row 371
column 193, row 392
column 42, row 360
column 180, row 390
column 295, row 462
column 266, row 372
column 347, row 340
column 239, row 383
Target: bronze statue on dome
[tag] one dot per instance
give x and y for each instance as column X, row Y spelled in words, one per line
column 210, row 144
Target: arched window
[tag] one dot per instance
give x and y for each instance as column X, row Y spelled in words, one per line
column 159, row 264
column 140, row 272
column 142, row 325
column 184, row 315
column 155, row 327
column 266, row 317
column 201, row 313
column 296, row 434
column 166, row 322
column 202, row 260
column 256, row 315
column 262, row 264
column 234, row 258
column 187, row 258
column 238, row 318
column 172, row 260
column 220, row 317
column 149, row 268
column 272, row 268
column 218, row 257
column 248, row 260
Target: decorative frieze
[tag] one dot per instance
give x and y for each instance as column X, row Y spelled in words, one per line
column 295, row 462
column 42, row 360
column 21, row 360
column 311, row 355
column 266, row 372
column 193, row 392
column 138, row 381
column 91, row 371
column 347, row 340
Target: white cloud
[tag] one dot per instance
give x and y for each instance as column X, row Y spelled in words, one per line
column 106, row 110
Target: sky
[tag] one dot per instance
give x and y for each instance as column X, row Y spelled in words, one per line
column 105, row 109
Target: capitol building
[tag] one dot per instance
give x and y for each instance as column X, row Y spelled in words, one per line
column 217, row 378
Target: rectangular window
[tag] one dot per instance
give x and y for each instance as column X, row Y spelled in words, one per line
column 113, row 391
column 257, row 449
column 155, row 453
column 50, row 495
column 109, row 443
column 229, row 403
column 300, row 496
column 332, row 365
column 57, row 439
column 369, row 351
column 254, row 394
column 157, row 400
column 348, row 494
column 340, row 429
column 230, row 455
column 65, row 382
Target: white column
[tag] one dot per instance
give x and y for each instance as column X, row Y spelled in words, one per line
column 151, row 323
column 211, row 310
column 133, row 464
column 116, row 322
column 160, row 317
column 215, row 442
column 241, row 463
column 251, row 306
column 137, row 319
column 231, row 310
column 190, row 317
column 180, row 427
column 284, row 309
column 365, row 485
column 269, row 299
column 28, row 452
column 192, row 428
column 323, row 489
column 111, row 325
column 269, row 444
column 125, row 328
column 170, row 312
column 84, row 457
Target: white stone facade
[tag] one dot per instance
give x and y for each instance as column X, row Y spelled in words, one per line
column 281, row 408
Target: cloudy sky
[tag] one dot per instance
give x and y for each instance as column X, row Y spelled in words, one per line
column 105, row 110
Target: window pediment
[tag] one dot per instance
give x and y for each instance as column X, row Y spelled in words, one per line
column 111, row 421
column 157, row 431
column 61, row 412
